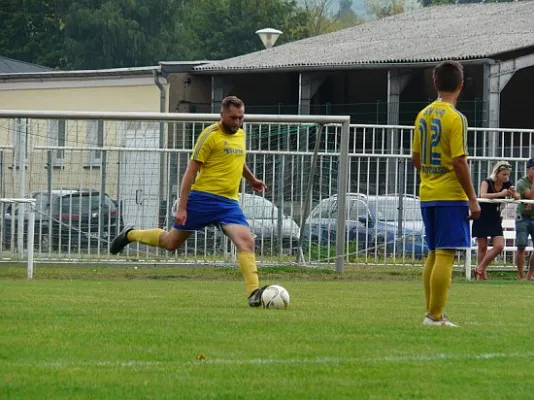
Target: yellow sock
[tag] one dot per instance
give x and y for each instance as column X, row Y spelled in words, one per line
column 427, row 273
column 247, row 266
column 149, row 236
column 440, row 281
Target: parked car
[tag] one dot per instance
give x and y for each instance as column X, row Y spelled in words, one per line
column 263, row 217
column 373, row 222
column 68, row 218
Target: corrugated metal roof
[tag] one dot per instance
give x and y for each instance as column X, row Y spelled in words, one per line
column 460, row 32
column 10, row 66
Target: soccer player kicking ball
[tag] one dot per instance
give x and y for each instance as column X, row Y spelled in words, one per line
column 209, row 196
column 448, row 198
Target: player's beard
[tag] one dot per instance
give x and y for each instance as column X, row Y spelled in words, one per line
column 229, row 129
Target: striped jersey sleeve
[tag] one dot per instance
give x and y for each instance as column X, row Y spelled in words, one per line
column 416, row 141
column 203, row 145
column 458, row 136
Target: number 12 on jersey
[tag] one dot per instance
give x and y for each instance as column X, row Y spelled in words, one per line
column 429, row 155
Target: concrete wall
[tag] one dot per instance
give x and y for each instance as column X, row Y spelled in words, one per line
column 87, row 98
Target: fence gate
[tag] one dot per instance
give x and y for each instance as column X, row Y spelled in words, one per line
column 139, row 175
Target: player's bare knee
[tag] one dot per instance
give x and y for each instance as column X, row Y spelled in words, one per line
column 173, row 239
column 249, row 244
column 171, row 246
column 163, row 240
column 167, row 242
column 245, row 242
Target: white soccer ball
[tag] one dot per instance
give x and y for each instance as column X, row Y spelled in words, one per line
column 275, row 296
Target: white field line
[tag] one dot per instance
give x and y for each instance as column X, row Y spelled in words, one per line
column 273, row 361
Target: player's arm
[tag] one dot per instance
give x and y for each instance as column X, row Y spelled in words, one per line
column 200, row 154
column 247, row 174
column 187, row 181
column 458, row 142
column 416, row 160
column 416, row 147
column 256, row 183
column 463, row 173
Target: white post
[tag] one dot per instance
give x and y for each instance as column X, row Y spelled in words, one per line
column 31, row 230
column 20, row 164
column 467, row 264
column 468, row 256
column 342, row 183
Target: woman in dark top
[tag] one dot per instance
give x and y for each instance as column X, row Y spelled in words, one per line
column 497, row 186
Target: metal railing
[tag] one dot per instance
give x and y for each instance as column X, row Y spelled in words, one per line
column 338, row 193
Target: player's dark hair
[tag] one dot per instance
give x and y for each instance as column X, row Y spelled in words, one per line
column 448, row 75
column 231, row 101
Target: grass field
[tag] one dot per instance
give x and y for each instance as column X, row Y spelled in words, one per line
column 187, row 333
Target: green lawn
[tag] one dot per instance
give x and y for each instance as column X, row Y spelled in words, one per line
column 187, row 333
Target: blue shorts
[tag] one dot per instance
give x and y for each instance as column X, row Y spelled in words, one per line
column 446, row 226
column 204, row 209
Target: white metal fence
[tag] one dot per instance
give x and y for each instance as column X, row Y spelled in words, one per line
column 92, row 173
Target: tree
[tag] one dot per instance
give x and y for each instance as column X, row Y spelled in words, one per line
column 318, row 17
column 226, row 28
column 346, row 16
column 119, row 33
column 95, row 34
column 90, row 34
column 31, row 31
column 386, row 8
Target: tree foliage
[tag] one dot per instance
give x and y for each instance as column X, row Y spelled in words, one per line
column 386, row 8
column 32, row 31
column 226, row 28
column 92, row 34
column 119, row 33
column 319, row 18
column 346, row 16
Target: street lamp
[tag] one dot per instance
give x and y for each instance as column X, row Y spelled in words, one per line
column 269, row 36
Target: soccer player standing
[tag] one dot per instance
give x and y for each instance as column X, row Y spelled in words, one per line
column 448, row 198
column 209, row 196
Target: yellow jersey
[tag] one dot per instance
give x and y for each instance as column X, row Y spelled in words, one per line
column 223, row 157
column 440, row 135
